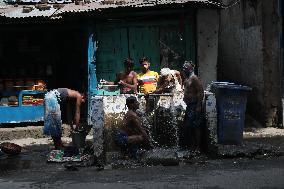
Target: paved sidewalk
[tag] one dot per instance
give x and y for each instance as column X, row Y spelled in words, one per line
column 257, row 141
column 35, row 132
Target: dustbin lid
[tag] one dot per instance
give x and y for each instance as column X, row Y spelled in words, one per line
column 228, row 85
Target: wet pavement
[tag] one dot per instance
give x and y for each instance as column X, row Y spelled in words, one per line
column 257, row 163
column 254, row 147
column 30, row 170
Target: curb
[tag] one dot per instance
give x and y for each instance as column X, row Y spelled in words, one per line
column 27, row 132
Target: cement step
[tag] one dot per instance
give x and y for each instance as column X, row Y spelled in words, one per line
column 35, row 132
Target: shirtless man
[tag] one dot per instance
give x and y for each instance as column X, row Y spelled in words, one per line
column 193, row 97
column 52, row 117
column 132, row 134
column 127, row 80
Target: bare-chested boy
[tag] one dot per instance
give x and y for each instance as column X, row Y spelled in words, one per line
column 126, row 80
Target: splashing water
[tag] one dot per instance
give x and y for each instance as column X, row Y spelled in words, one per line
column 148, row 127
column 161, row 123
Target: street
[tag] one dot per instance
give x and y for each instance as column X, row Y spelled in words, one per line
column 119, row 94
column 32, row 171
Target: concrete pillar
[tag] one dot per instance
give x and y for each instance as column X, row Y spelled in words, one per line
column 207, row 44
column 271, row 28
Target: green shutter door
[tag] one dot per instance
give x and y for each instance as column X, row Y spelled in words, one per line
column 112, row 50
column 190, row 41
column 166, row 44
column 177, row 44
column 144, row 41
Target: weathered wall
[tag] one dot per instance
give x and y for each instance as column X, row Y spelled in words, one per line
column 107, row 113
column 207, row 44
column 271, row 60
column 164, row 121
column 242, row 54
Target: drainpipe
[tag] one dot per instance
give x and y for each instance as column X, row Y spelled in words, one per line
column 280, row 58
column 271, row 52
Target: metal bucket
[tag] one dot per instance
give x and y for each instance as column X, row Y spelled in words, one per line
column 79, row 138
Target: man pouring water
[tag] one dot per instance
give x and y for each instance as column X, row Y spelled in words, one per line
column 52, row 112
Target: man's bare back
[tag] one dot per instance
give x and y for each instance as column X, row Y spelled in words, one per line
column 132, row 126
column 131, row 123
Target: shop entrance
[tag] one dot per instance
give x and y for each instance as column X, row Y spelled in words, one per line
column 55, row 57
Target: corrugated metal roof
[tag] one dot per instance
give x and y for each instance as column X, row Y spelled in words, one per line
column 18, row 13
column 129, row 3
column 11, row 11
